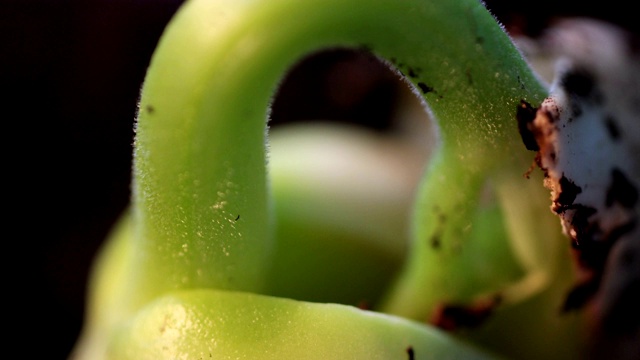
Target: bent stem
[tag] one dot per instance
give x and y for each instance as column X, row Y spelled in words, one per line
column 214, row 73
column 201, row 210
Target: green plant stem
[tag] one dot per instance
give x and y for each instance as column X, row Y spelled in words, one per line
column 200, row 157
column 190, row 324
column 201, row 208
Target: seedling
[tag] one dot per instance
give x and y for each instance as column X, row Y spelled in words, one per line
column 189, row 271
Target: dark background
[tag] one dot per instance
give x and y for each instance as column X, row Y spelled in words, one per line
column 70, row 73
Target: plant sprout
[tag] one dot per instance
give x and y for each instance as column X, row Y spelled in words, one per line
column 198, row 267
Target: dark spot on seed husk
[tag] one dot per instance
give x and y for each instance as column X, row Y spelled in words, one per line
column 576, row 111
column 578, row 82
column 412, row 73
column 568, row 192
column 612, row 127
column 621, row 190
column 425, row 88
column 150, row 109
column 525, row 114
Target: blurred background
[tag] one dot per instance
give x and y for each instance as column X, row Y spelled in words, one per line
column 71, row 72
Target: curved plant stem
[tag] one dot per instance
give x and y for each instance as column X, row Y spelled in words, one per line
column 200, row 158
column 201, row 205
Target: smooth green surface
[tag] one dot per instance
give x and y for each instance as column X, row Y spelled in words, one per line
column 203, row 324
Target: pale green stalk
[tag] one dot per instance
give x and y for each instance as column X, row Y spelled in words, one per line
column 201, row 209
column 203, row 324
